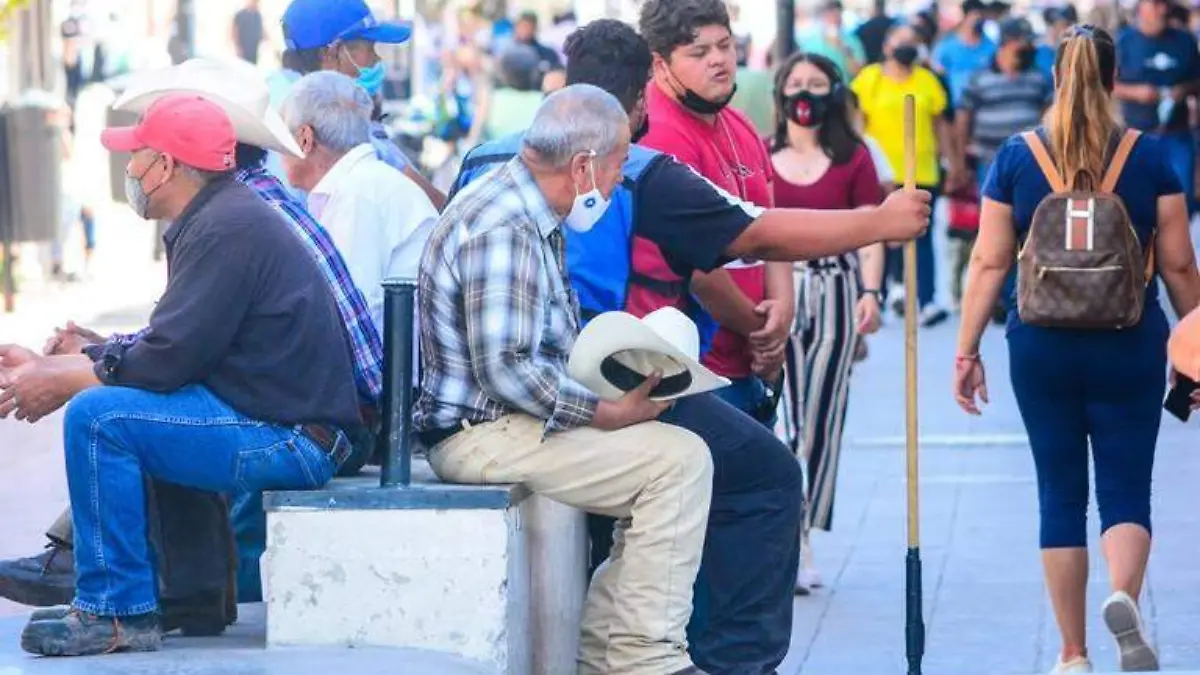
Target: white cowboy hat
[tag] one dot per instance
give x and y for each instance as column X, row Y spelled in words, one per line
column 616, row 351
column 240, row 91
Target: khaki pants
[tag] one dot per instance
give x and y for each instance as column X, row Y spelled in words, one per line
column 654, row 478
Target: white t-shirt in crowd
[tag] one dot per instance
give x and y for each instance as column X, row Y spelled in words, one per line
column 378, row 218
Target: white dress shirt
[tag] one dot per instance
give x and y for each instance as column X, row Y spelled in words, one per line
column 377, row 217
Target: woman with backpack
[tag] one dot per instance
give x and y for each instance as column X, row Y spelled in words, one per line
column 821, row 162
column 1087, row 336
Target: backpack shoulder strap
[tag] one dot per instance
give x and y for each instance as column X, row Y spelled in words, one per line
column 1117, row 164
column 1043, row 159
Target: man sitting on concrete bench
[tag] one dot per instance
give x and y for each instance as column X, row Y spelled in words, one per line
column 496, row 406
column 192, row 589
column 243, row 381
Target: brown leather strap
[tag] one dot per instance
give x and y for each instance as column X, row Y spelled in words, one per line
column 1036, row 146
column 1117, row 163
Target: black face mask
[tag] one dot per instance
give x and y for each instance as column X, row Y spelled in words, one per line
column 702, row 106
column 642, row 130
column 905, row 55
column 806, row 108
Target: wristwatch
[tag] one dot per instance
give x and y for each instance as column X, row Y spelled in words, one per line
column 872, row 291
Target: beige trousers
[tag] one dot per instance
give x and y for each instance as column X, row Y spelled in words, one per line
column 656, row 479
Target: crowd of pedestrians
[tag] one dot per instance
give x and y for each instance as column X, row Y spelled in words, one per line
column 287, row 205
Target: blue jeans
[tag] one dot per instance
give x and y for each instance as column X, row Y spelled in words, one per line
column 249, row 523
column 116, row 435
column 926, row 272
column 748, row 394
column 250, row 531
column 1180, row 149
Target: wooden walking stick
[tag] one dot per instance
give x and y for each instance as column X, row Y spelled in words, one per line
column 914, row 619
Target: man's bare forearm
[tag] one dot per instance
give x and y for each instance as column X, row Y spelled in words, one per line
column 781, row 287
column 788, row 235
column 727, row 304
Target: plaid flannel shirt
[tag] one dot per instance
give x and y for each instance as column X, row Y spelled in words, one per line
column 362, row 333
column 498, row 318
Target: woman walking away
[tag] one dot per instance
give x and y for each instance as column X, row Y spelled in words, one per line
column 1087, row 336
column 821, row 162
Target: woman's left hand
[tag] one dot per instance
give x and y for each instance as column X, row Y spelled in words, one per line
column 866, row 315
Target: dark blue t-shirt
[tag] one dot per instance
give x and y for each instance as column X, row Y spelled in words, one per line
column 1017, row 180
column 1167, row 60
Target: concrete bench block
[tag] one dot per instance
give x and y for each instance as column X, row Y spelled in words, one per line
column 483, row 572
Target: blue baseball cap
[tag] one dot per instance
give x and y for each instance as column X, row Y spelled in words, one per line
column 309, row 24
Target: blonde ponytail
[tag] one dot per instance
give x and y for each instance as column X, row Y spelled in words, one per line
column 1081, row 122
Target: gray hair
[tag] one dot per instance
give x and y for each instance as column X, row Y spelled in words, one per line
column 201, row 176
column 338, row 110
column 577, row 119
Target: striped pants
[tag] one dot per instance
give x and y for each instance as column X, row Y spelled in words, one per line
column 820, row 357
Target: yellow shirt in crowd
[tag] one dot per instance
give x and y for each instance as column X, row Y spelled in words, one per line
column 882, row 102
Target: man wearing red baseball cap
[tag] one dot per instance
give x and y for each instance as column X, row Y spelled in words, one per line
column 216, row 395
column 182, row 129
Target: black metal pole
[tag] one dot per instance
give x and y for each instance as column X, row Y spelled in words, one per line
column 785, row 30
column 399, row 307
column 914, row 632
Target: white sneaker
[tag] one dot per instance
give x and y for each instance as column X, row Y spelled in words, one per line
column 1079, row 664
column 802, row 588
column 810, row 578
column 1125, row 623
column 932, row 315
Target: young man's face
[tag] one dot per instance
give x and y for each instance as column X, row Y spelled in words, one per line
column 707, row 65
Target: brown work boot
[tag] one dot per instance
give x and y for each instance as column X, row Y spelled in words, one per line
column 43, row 580
column 204, row 614
column 82, row 634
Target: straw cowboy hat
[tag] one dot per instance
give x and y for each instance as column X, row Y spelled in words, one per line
column 617, row 351
column 238, row 89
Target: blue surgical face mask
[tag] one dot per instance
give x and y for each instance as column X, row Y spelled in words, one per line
column 370, row 78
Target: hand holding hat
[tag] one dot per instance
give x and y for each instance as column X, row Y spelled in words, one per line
column 617, row 353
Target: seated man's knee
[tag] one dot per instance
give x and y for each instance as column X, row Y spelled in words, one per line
column 87, row 407
column 678, row 447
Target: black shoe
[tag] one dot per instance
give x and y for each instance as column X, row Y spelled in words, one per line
column 204, row 614
column 82, row 634
column 41, row 581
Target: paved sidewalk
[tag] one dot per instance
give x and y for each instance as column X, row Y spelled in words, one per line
column 986, row 609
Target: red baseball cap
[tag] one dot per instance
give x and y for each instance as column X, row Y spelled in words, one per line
column 192, row 129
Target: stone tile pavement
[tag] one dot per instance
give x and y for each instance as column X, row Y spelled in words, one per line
column 986, row 609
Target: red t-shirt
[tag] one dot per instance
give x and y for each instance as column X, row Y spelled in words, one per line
column 842, row 186
column 732, row 156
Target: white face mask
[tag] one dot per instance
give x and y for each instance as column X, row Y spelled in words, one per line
column 589, row 207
